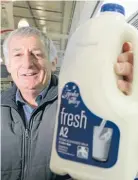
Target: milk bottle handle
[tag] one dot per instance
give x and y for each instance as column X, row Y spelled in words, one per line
column 131, row 35
column 120, row 102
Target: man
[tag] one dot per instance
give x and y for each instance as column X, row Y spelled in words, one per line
column 29, row 108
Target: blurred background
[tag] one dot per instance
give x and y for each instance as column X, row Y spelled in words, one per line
column 57, row 19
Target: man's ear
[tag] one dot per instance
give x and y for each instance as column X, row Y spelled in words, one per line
column 54, row 64
column 8, row 68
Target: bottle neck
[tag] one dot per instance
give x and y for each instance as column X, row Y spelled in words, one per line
column 113, row 14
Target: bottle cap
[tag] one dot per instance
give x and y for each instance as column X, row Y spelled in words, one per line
column 113, row 7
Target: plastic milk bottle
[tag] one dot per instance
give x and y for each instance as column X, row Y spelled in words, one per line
column 96, row 130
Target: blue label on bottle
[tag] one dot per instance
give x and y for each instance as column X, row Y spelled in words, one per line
column 82, row 136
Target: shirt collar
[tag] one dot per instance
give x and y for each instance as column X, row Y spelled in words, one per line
column 39, row 98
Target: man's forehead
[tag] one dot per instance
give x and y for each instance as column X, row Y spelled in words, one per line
column 18, row 42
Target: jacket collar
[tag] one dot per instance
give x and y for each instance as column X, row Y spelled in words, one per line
column 39, row 98
column 8, row 98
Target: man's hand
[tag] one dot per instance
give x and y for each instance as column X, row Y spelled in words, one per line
column 124, row 68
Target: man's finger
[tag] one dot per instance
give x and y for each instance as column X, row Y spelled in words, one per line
column 124, row 86
column 127, row 46
column 124, row 69
column 126, row 57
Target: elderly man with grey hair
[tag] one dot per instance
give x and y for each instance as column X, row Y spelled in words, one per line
column 28, row 109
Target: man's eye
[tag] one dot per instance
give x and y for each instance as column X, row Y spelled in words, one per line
column 18, row 55
column 38, row 54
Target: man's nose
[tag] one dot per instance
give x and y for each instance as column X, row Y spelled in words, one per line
column 28, row 60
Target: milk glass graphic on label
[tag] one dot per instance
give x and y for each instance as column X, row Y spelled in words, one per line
column 101, row 142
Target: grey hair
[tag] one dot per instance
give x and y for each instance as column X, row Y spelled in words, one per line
column 28, row 31
column 52, row 51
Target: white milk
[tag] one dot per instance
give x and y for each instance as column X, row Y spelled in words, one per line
column 96, row 130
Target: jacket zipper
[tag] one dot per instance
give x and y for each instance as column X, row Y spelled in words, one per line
column 26, row 153
column 27, row 144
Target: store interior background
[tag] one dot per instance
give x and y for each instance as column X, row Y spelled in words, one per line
column 57, row 19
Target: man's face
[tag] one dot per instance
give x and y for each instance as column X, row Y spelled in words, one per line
column 28, row 63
